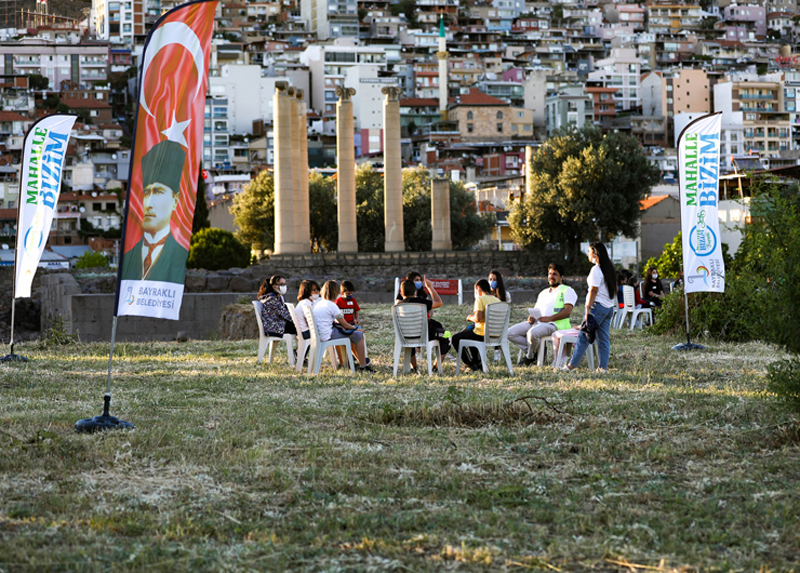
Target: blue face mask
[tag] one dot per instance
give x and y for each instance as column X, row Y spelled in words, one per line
column 493, row 285
column 418, row 285
column 348, row 297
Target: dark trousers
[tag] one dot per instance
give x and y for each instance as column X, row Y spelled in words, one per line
column 470, row 356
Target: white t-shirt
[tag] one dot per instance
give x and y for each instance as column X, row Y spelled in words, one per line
column 596, row 279
column 546, row 300
column 300, row 314
column 325, row 313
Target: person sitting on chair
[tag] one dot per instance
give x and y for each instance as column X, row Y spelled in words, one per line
column 552, row 310
column 474, row 331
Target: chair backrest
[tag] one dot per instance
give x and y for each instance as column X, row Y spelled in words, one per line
column 257, row 306
column 628, row 296
column 291, row 308
column 312, row 325
column 411, row 323
column 496, row 316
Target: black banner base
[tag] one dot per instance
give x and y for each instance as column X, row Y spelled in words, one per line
column 14, row 358
column 688, row 346
column 102, row 422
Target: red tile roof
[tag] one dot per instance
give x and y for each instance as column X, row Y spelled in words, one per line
column 419, row 102
column 13, row 116
column 652, row 200
column 477, row 97
column 85, row 103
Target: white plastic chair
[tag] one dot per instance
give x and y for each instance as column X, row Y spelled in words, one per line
column 543, row 342
column 271, row 341
column 570, row 337
column 318, row 347
column 495, row 334
column 637, row 315
column 302, row 343
column 411, row 331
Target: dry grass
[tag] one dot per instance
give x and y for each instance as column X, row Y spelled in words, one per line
column 669, row 462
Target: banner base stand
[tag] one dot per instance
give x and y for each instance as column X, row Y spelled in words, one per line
column 688, row 346
column 103, row 421
column 14, row 358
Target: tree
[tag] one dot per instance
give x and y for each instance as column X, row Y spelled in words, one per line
column 584, row 184
column 322, row 204
column 200, row 220
column 38, row 82
column 90, row 260
column 214, row 249
column 670, row 263
column 369, row 209
column 253, row 213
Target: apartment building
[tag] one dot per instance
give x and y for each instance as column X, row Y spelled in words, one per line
column 620, row 71
column 120, row 21
column 85, row 64
column 672, row 18
column 330, row 19
column 570, row 107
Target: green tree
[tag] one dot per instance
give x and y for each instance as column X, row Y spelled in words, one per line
column 215, row 249
column 670, row 263
column 38, row 82
column 253, row 213
column 369, row 209
column 200, row 220
column 322, row 205
column 584, row 184
column 91, row 259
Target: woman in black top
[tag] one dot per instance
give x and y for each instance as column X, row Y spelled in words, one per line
column 652, row 289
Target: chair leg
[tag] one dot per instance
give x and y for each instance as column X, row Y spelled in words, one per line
column 458, row 360
column 406, row 360
column 289, row 340
column 484, row 361
column 272, row 344
column 429, row 356
column 590, row 356
column 348, row 349
column 302, row 350
column 318, row 355
column 397, row 351
column 332, row 356
column 262, row 348
column 507, row 354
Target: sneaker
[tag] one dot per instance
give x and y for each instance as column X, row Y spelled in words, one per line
column 565, row 368
column 601, row 370
column 366, row 368
column 527, row 361
column 368, row 361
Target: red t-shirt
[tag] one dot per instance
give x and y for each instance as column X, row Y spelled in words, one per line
column 349, row 307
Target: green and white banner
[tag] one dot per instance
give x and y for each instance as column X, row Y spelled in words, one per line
column 40, row 185
column 698, row 166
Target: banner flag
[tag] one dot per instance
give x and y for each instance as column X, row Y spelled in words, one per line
column 698, row 167
column 167, row 149
column 43, row 155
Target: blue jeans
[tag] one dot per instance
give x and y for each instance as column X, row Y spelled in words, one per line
column 603, row 317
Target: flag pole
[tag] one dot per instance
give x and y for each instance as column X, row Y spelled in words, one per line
column 688, row 345
column 11, row 357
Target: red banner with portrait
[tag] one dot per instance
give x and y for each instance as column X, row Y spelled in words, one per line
column 167, row 150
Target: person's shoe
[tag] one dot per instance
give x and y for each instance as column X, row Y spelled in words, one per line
column 601, row 370
column 527, row 361
column 368, row 361
column 366, row 368
column 565, row 368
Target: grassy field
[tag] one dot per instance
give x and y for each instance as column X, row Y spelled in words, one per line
column 670, row 461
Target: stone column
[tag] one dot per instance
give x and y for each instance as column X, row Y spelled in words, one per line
column 282, row 172
column 346, row 171
column 392, row 172
column 440, row 215
column 295, row 122
column 304, row 227
column 528, row 168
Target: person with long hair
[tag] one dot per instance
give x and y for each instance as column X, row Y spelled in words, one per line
column 600, row 301
column 274, row 314
column 498, row 287
column 307, row 296
column 652, row 289
column 328, row 316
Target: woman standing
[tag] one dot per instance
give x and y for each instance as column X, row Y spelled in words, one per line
column 274, row 314
column 653, row 290
column 599, row 304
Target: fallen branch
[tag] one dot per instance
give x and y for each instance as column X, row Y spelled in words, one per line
column 635, row 566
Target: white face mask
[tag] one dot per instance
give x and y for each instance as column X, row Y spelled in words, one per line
column 282, row 289
column 315, row 297
column 655, row 276
column 477, row 295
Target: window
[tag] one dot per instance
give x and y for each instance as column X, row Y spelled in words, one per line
column 470, row 128
column 111, row 206
column 521, row 114
column 97, row 206
column 470, row 115
column 499, row 128
column 499, row 115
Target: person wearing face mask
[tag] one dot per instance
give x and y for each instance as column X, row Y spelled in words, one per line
column 498, row 287
column 348, row 303
column 419, row 285
column 483, row 298
column 652, row 289
column 306, row 297
column 274, row 314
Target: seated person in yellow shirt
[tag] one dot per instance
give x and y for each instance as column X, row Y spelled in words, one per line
column 474, row 331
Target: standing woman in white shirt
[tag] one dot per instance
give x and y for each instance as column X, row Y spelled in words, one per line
column 600, row 302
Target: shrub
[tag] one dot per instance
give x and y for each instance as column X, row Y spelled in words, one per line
column 214, row 249
column 783, row 379
column 90, row 260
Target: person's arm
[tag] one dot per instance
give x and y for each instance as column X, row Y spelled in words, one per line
column 437, row 300
column 590, row 301
column 356, row 320
column 563, row 313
